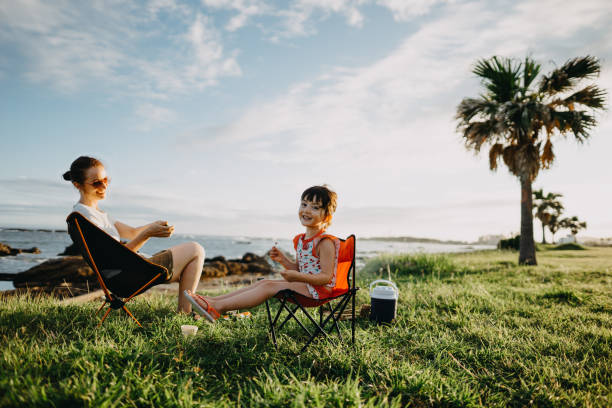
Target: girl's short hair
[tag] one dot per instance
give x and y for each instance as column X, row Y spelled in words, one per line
column 327, row 198
column 79, row 167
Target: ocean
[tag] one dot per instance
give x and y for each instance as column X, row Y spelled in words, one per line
column 51, row 243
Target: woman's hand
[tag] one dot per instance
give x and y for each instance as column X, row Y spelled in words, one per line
column 160, row 229
column 290, row 275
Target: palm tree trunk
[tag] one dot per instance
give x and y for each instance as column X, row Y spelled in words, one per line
column 527, row 254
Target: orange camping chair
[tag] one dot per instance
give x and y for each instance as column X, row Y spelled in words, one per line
column 121, row 272
column 343, row 293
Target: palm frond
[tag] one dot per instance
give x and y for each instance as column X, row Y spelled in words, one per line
column 547, row 156
column 472, row 107
column 522, row 160
column 500, row 76
column 569, row 74
column 494, row 154
column 577, row 122
column 478, row 133
column 531, row 69
column 591, row 96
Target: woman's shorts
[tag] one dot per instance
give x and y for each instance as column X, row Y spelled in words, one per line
column 164, row 258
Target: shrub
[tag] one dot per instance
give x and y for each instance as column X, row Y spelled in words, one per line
column 510, row 243
column 570, row 246
column 411, row 264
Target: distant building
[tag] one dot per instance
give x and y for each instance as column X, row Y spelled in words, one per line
column 568, row 239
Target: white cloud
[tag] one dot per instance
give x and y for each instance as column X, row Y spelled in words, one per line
column 149, row 115
column 74, row 45
column 406, row 10
column 245, row 8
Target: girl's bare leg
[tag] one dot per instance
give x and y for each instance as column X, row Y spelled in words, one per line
column 226, row 295
column 188, row 259
column 254, row 296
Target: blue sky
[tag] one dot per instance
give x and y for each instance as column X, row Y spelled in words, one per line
column 217, row 114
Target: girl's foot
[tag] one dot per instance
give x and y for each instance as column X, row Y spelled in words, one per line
column 201, row 305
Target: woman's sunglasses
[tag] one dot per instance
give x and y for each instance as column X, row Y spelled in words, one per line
column 100, row 183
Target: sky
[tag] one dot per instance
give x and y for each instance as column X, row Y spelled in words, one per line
column 216, row 114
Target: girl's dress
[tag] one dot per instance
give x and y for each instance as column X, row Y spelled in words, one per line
column 308, row 261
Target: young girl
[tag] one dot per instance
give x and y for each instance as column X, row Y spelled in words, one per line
column 184, row 261
column 312, row 273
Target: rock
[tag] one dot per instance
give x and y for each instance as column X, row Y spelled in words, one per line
column 57, row 271
column 6, row 250
column 61, row 277
column 214, row 269
column 71, row 249
column 249, row 263
column 71, row 276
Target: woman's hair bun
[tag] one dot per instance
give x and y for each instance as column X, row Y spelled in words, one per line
column 67, row 176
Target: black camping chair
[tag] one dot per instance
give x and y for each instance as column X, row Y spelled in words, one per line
column 121, row 272
column 343, row 293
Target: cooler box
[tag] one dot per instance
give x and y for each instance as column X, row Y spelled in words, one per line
column 383, row 300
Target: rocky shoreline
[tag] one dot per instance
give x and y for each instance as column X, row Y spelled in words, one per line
column 6, row 250
column 69, row 275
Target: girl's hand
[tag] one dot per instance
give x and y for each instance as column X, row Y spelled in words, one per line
column 290, row 276
column 160, row 229
column 276, row 255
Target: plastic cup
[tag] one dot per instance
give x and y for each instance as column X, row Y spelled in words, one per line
column 189, row 330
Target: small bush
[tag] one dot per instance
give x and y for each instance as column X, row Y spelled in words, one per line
column 570, row 246
column 510, row 243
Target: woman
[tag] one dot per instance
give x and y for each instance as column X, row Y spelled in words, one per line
column 184, row 262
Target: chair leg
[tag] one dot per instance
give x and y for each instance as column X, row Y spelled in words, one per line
column 335, row 322
column 292, row 314
column 131, row 315
column 320, row 329
column 271, row 325
column 289, row 315
column 353, row 319
column 104, row 317
column 101, row 307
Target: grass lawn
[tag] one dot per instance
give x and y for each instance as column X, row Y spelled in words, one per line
column 472, row 330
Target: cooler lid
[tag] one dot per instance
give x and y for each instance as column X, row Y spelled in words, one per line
column 383, row 292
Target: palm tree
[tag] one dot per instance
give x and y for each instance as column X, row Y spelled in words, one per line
column 545, row 207
column 554, row 224
column 573, row 224
column 518, row 119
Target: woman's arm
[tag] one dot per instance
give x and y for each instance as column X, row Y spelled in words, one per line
column 138, row 236
column 327, row 254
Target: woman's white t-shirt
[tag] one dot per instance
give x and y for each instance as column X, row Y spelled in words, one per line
column 101, row 219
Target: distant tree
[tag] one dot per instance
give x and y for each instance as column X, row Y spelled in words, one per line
column 545, row 206
column 517, row 119
column 573, row 224
column 554, row 225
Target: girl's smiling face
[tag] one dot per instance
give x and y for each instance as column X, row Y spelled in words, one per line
column 311, row 214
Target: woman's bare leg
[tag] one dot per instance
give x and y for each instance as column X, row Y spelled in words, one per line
column 254, row 296
column 188, row 259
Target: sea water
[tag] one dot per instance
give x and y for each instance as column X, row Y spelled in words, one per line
column 51, row 243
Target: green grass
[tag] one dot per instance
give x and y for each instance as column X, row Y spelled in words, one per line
column 472, row 330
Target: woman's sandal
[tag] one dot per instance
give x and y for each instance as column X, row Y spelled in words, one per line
column 209, row 313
